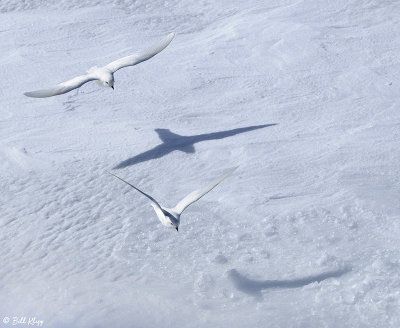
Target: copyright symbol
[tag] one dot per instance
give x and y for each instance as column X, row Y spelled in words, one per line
column 6, row 320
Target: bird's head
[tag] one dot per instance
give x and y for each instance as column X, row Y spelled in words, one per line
column 110, row 82
column 106, row 78
column 172, row 219
column 174, row 225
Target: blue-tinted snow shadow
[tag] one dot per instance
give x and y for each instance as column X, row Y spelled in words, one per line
column 172, row 141
column 255, row 287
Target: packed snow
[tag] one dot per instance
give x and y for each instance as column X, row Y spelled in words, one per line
column 303, row 96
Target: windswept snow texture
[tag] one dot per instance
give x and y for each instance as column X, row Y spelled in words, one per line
column 303, row 95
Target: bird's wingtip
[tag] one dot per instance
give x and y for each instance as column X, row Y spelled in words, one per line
column 233, row 169
column 34, row 94
column 40, row 93
column 110, row 173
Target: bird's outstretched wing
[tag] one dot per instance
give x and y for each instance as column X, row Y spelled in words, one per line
column 62, row 87
column 153, row 201
column 197, row 194
column 140, row 56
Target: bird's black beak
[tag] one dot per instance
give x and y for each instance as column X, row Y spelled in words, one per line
column 112, row 87
column 177, row 229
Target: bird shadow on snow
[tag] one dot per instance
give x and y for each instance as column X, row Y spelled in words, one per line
column 172, row 141
column 255, row 287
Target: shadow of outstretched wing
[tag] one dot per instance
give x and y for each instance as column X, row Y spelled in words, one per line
column 255, row 287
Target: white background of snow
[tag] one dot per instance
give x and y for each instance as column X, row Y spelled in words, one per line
column 316, row 194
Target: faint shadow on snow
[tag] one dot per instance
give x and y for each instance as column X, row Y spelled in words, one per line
column 255, row 287
column 172, row 142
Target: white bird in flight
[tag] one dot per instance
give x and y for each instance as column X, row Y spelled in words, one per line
column 170, row 217
column 105, row 74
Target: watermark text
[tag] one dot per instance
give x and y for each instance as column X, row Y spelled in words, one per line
column 27, row 321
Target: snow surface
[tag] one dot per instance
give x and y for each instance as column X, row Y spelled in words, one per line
column 304, row 234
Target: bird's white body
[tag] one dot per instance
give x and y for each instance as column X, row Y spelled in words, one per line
column 167, row 216
column 170, row 217
column 104, row 75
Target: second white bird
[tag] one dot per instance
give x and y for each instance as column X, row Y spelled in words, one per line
column 170, row 217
